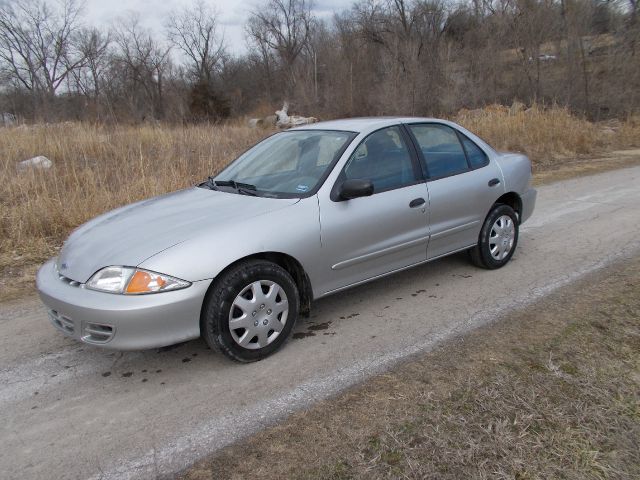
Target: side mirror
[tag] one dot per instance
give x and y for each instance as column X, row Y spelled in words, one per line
column 355, row 188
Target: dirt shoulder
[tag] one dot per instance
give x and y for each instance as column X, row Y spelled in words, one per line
column 583, row 166
column 549, row 392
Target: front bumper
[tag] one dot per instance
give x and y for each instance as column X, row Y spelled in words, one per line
column 528, row 203
column 121, row 322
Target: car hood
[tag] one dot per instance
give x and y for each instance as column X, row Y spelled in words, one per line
column 131, row 234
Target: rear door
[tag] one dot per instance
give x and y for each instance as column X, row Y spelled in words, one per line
column 366, row 237
column 463, row 184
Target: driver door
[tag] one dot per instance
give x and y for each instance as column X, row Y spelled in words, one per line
column 370, row 236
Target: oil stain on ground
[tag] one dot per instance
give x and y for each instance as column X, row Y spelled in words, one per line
column 311, row 329
column 299, row 335
column 320, row 326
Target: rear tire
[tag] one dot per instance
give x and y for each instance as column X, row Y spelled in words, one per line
column 497, row 240
column 250, row 311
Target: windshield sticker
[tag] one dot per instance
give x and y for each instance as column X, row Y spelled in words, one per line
column 302, row 188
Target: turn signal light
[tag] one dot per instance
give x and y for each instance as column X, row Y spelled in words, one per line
column 145, row 282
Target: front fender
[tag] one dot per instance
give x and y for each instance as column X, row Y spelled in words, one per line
column 294, row 230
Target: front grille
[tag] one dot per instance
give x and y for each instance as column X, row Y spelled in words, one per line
column 97, row 333
column 61, row 322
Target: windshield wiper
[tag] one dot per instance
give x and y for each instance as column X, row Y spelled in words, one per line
column 211, row 184
column 247, row 191
column 242, row 188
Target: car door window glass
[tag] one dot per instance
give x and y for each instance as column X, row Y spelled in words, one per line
column 477, row 158
column 441, row 149
column 384, row 158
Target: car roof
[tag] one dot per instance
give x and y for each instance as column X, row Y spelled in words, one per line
column 365, row 124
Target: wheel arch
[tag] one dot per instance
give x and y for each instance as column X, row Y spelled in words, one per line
column 289, row 263
column 511, row 199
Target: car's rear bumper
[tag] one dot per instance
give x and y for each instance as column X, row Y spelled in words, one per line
column 528, row 204
column 122, row 322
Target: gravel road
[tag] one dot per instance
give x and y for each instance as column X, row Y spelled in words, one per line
column 73, row 411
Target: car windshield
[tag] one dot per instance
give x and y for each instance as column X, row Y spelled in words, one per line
column 287, row 164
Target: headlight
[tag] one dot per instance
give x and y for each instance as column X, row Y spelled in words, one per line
column 133, row 281
column 111, row 279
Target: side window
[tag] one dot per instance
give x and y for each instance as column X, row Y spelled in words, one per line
column 383, row 157
column 441, row 149
column 477, row 158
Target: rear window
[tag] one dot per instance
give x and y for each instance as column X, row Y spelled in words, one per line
column 441, row 149
column 477, row 158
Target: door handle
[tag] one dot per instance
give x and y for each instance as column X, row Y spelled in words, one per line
column 493, row 182
column 416, row 202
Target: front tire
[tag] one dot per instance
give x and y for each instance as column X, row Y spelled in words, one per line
column 498, row 238
column 250, row 311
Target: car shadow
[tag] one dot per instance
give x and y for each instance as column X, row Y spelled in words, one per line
column 344, row 305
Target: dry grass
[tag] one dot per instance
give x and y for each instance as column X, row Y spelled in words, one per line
column 98, row 168
column 551, row 392
column 548, row 136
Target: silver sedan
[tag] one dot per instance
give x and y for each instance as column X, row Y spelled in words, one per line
column 303, row 214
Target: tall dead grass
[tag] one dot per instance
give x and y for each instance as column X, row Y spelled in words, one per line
column 97, row 168
column 547, row 135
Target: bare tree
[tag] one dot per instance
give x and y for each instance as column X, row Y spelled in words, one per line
column 408, row 35
column 533, row 24
column 262, row 57
column 633, row 11
column 194, row 31
column 283, row 26
column 94, row 46
column 423, row 57
column 37, row 43
column 141, row 62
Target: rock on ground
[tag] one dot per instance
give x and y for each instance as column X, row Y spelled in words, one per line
column 40, row 162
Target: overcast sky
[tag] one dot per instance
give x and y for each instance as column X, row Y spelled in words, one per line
column 153, row 14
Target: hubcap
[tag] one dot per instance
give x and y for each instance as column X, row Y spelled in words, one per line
column 258, row 314
column 502, row 237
